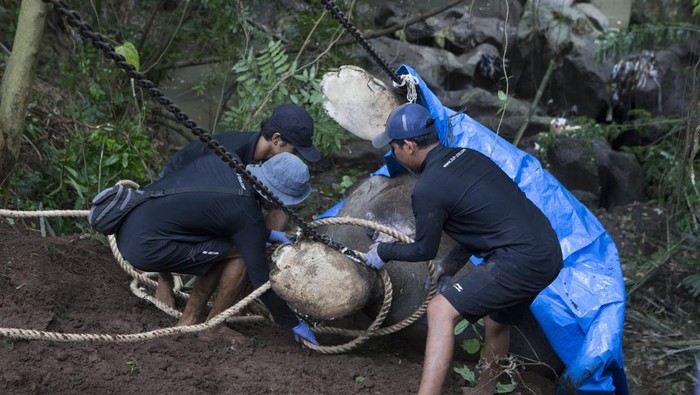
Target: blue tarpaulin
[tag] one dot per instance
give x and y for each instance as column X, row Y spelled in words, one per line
column 582, row 311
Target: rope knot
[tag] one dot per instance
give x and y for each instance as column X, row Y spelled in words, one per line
column 410, row 83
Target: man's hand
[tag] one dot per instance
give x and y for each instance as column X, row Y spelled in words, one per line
column 372, row 259
column 277, row 236
column 303, row 332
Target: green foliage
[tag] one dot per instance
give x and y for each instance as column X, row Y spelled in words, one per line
column 8, row 23
column 617, row 43
column 133, row 366
column 503, row 100
column 460, row 327
column 345, row 183
column 505, row 388
column 105, row 141
column 269, row 77
column 338, row 190
column 469, row 375
column 130, row 53
column 466, row 374
column 692, row 282
column 475, row 344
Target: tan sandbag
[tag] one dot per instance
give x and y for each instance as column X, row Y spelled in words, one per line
column 357, row 101
column 318, row 281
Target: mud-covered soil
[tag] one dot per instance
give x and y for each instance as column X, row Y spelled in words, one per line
column 74, row 285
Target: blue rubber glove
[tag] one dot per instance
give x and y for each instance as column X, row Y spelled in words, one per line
column 373, row 259
column 302, row 331
column 277, row 236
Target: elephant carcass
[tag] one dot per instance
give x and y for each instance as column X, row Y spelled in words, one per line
column 387, row 201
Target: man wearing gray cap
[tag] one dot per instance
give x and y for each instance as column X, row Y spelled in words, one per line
column 216, row 233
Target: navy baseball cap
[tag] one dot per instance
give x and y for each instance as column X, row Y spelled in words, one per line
column 296, row 127
column 407, row 121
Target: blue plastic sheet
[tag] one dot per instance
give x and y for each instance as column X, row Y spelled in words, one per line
column 582, row 311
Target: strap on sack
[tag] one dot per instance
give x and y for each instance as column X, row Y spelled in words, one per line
column 170, row 191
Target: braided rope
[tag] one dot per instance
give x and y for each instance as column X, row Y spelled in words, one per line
column 48, row 213
column 30, row 334
column 374, row 330
column 231, row 313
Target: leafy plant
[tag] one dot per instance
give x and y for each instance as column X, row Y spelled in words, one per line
column 692, row 282
column 269, row 77
column 133, row 366
column 616, row 42
column 472, row 345
column 467, row 374
column 105, row 140
column 346, row 182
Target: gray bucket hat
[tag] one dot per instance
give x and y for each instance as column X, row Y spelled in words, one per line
column 284, row 175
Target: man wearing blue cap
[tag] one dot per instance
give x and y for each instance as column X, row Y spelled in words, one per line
column 463, row 193
column 205, row 231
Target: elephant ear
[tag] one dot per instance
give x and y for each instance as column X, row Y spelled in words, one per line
column 357, row 101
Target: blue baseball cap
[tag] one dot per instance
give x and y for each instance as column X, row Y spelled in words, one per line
column 407, row 121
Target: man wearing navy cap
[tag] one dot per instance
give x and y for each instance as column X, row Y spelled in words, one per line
column 463, row 193
column 288, row 129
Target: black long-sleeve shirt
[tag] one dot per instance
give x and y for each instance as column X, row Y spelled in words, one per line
column 464, row 193
column 195, row 217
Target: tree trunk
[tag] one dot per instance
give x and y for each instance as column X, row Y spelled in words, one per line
column 17, row 81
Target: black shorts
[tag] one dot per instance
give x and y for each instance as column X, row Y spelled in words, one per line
column 188, row 258
column 488, row 290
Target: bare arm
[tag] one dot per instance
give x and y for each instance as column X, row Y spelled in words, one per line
column 276, row 218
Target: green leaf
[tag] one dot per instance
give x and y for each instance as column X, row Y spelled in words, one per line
column 466, row 373
column 130, row 53
column 471, row 346
column 461, row 326
column 6, row 345
column 505, row 388
column 359, row 379
column 502, row 96
column 111, row 160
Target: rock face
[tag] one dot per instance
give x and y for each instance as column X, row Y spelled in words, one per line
column 595, row 174
column 525, row 36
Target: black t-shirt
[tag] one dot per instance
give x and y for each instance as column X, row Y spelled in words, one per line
column 464, row 193
column 240, row 144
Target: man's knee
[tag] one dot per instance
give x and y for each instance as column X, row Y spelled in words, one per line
column 439, row 308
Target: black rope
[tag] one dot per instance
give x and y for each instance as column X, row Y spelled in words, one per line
column 340, row 17
column 100, row 42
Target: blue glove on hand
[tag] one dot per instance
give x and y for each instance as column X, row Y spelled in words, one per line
column 277, row 236
column 372, row 259
column 302, row 331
